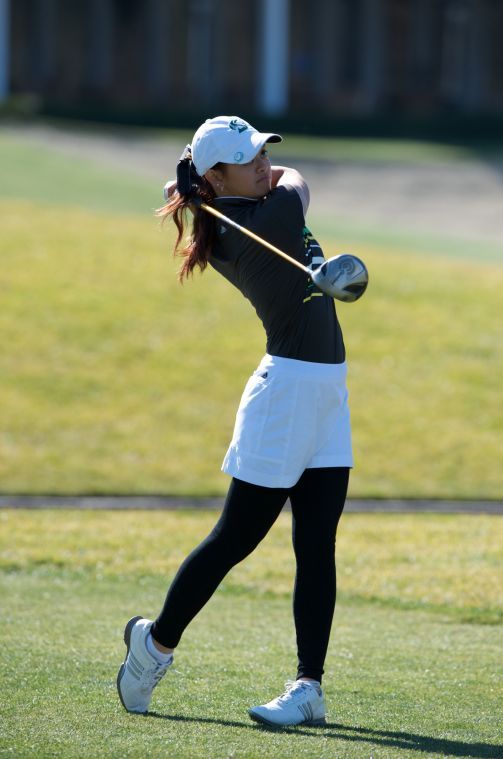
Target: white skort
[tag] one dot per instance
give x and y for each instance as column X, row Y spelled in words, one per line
column 293, row 416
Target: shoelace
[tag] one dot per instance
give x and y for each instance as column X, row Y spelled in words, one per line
column 152, row 676
column 290, row 686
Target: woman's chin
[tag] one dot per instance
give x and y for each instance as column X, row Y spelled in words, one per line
column 264, row 188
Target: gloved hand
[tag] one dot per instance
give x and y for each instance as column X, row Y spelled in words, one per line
column 187, row 178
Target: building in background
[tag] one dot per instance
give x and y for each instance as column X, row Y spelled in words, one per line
column 313, row 60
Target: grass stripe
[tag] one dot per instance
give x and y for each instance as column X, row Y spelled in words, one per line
column 398, row 682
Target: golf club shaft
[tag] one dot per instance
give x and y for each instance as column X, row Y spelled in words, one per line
column 253, row 236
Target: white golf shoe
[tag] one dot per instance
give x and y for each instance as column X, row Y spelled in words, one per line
column 302, row 703
column 140, row 672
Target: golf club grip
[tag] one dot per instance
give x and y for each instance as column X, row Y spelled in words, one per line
column 253, row 236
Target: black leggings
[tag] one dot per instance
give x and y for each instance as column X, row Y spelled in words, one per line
column 249, row 512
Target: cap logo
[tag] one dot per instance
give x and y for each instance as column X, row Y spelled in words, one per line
column 238, row 125
column 238, row 157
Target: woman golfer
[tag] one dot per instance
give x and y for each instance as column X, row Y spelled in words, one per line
column 292, row 434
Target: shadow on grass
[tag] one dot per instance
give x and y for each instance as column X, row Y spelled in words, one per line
column 338, row 731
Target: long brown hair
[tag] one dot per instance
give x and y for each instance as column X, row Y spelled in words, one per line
column 200, row 241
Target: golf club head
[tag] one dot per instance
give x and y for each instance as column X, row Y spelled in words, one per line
column 344, row 277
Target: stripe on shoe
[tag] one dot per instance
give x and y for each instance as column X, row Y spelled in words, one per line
column 306, row 710
column 134, row 666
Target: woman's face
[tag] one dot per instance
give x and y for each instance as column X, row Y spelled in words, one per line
column 248, row 180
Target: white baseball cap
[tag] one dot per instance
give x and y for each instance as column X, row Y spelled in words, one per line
column 227, row 139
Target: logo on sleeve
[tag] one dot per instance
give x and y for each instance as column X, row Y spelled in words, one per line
column 313, row 257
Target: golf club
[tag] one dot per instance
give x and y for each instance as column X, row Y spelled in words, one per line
column 344, row 277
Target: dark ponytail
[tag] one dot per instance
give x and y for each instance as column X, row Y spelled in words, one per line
column 200, row 242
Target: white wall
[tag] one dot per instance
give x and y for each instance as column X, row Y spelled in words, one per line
column 273, row 52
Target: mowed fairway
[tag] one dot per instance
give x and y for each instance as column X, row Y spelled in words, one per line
column 114, row 378
column 414, row 665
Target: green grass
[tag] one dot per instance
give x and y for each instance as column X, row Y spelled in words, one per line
column 445, row 564
column 353, row 236
column 45, row 175
column 50, row 176
column 413, row 667
column 116, row 379
column 373, row 151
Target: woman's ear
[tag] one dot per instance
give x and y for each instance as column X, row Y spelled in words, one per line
column 216, row 179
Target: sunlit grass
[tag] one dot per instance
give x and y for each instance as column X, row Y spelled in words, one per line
column 114, row 378
column 445, row 563
column 367, row 150
column 405, row 673
column 45, row 175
